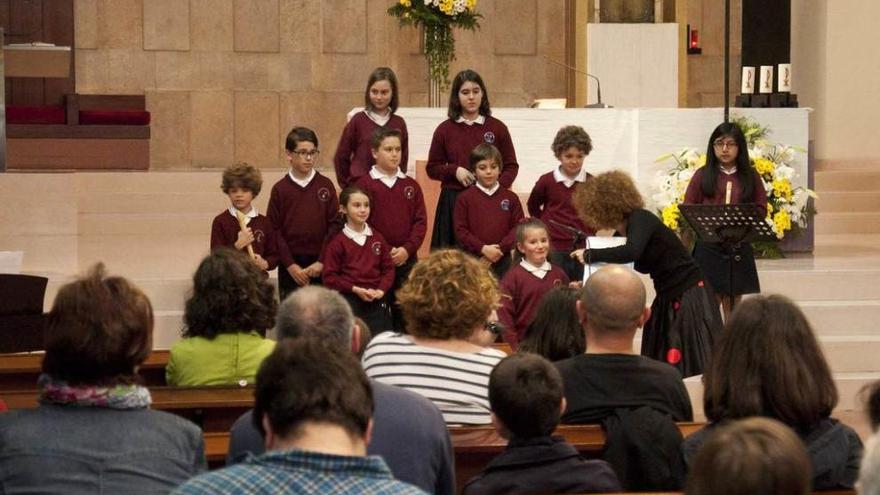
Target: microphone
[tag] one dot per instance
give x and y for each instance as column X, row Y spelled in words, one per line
column 578, row 234
column 599, row 103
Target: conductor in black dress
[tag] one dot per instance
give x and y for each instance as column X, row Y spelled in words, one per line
column 685, row 320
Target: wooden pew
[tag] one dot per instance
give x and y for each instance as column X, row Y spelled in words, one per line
column 20, row 371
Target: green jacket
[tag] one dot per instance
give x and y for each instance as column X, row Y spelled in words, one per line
column 228, row 359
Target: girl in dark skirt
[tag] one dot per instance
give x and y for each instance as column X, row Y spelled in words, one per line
column 685, row 320
column 727, row 178
column 470, row 123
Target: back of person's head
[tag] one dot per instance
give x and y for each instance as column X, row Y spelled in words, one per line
column 869, row 471
column 318, row 312
column 607, row 199
column 555, row 332
column 230, row 294
column 525, row 393
column 613, row 301
column 308, row 380
column 98, row 331
column 870, row 396
column 769, row 363
column 755, row 456
column 243, row 175
column 299, row 135
column 447, row 296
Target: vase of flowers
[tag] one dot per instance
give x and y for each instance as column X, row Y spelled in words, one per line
column 436, row 19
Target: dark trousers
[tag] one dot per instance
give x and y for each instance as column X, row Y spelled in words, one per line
column 374, row 313
column 286, row 284
column 400, row 275
column 572, row 267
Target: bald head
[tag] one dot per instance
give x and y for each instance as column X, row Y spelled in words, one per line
column 613, row 300
column 316, row 311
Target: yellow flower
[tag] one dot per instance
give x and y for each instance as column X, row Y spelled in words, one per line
column 702, row 160
column 406, row 3
column 471, row 5
column 764, row 166
column 782, row 222
column 670, row 216
column 782, row 189
column 769, row 210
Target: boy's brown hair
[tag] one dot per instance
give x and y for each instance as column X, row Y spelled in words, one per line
column 242, row 175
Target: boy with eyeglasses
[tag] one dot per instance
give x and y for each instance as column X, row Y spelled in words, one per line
column 303, row 206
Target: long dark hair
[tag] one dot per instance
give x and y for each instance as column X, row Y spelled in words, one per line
column 382, row 74
column 555, row 331
column 744, row 171
column 462, row 77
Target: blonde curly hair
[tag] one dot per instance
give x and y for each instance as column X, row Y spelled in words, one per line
column 447, row 295
column 607, row 199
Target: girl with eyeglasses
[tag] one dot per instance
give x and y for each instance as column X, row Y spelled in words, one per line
column 727, row 178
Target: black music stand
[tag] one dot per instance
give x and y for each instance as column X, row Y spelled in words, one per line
column 21, row 313
column 729, row 226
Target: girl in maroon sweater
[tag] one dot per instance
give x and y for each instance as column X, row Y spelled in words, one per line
column 353, row 154
column 727, row 178
column 357, row 262
column 470, row 123
column 487, row 214
column 526, row 282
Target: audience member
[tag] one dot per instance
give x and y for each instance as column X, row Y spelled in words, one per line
column 408, row 430
column 610, row 375
column 445, row 302
column 555, row 331
column 768, row 363
column 752, row 456
column 313, row 404
column 231, row 307
column 869, row 471
column 525, row 392
column 93, row 431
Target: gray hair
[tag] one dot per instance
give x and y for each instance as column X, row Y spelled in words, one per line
column 316, row 311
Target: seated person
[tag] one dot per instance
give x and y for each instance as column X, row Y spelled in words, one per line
column 555, row 332
column 610, row 375
column 751, row 456
column 769, row 363
column 93, row 430
column 226, row 317
column 313, row 404
column 446, row 303
column 408, row 430
column 525, row 392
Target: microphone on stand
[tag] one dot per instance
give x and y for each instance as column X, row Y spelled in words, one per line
column 599, row 103
column 579, row 235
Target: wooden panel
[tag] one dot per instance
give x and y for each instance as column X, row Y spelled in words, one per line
column 59, row 131
column 78, row 154
column 25, row 24
column 58, row 28
column 20, row 371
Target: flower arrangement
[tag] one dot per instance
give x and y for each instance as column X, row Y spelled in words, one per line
column 788, row 207
column 437, row 18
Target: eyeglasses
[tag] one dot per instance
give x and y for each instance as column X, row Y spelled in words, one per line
column 304, row 153
column 496, row 327
column 725, row 144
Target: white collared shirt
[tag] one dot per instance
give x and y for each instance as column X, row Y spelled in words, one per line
column 558, row 176
column 481, row 119
column 388, row 180
column 490, row 191
column 538, row 271
column 378, row 118
column 358, row 237
column 728, row 172
column 247, row 216
column 303, row 182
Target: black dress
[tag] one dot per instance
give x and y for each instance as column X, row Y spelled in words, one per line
column 685, row 320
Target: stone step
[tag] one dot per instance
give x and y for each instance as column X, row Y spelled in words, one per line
column 851, row 353
column 166, row 253
column 848, row 223
column 833, row 165
column 842, row 318
column 161, row 182
column 818, row 285
column 853, row 201
column 145, row 225
column 847, row 180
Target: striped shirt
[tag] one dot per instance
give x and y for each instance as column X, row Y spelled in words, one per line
column 457, row 382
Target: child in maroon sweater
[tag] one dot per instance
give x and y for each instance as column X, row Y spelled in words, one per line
column 550, row 199
column 357, row 263
column 397, row 210
column 486, row 215
column 470, row 123
column 353, row 154
column 242, row 183
column 302, row 207
column 526, row 282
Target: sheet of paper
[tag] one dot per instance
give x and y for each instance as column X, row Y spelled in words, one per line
column 602, row 243
column 10, row 261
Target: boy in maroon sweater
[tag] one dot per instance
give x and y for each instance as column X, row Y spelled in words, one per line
column 486, row 215
column 397, row 209
column 242, row 183
column 550, row 199
column 302, row 207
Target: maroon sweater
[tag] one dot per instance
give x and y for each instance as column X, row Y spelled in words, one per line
column 398, row 212
column 481, row 219
column 453, row 142
column 354, row 154
column 551, row 200
column 346, row 264
column 694, row 193
column 521, row 292
column 302, row 216
column 225, row 229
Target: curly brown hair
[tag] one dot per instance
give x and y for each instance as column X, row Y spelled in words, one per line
column 607, row 199
column 243, row 175
column 447, row 295
column 571, row 136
